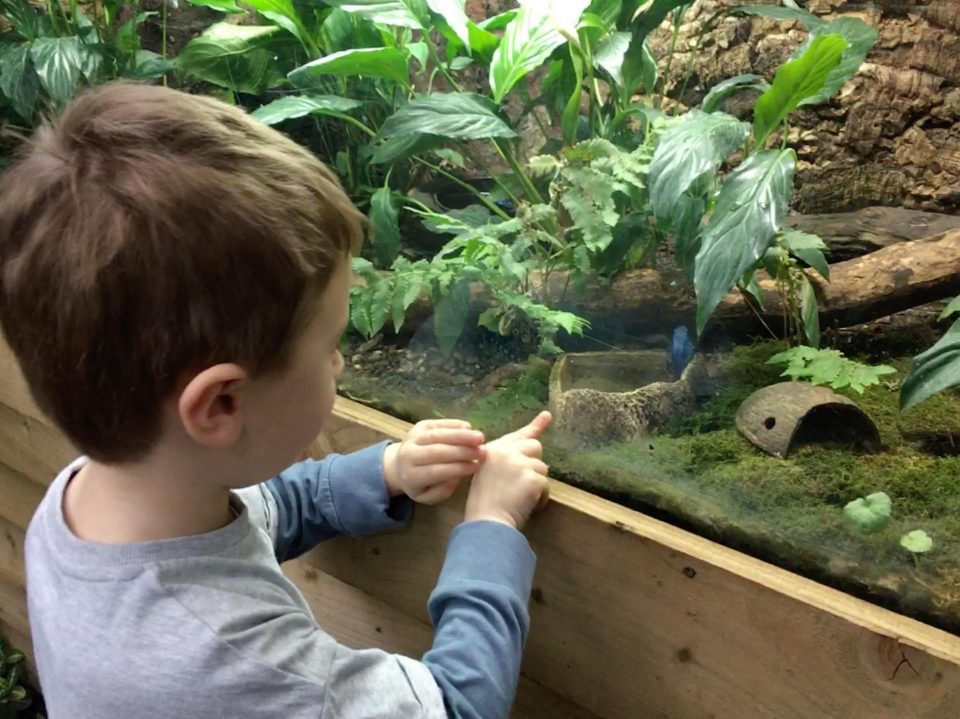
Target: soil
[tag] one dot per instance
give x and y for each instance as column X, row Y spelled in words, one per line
column 701, row 474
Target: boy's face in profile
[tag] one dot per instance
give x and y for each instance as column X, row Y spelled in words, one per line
column 287, row 410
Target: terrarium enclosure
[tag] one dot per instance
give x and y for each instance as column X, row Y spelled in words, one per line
column 719, row 240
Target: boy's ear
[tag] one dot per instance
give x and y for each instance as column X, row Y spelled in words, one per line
column 210, row 408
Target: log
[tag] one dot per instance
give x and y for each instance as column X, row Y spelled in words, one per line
column 638, row 304
column 853, row 234
column 890, row 280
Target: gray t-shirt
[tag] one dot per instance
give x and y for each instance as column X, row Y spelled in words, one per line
column 208, row 626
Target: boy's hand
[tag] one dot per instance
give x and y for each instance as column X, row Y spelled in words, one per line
column 429, row 463
column 511, row 482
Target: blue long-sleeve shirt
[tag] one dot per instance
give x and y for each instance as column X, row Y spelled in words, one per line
column 208, row 625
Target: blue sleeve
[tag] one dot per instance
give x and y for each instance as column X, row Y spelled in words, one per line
column 340, row 494
column 479, row 609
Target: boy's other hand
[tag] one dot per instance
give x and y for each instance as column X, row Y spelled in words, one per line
column 511, row 482
column 429, row 463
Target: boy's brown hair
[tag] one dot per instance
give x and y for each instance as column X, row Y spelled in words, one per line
column 147, row 233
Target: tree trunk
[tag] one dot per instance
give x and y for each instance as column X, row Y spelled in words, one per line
column 891, row 137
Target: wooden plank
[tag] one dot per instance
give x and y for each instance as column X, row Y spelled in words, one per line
column 13, row 388
column 632, row 617
column 19, row 496
column 362, row 621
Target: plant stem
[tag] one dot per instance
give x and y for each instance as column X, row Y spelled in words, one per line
column 507, row 154
column 465, row 185
column 435, row 56
column 163, row 34
column 677, row 15
column 485, row 168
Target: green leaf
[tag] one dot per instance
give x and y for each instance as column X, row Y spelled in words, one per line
column 934, row 370
column 127, row 37
column 58, row 63
column 530, row 39
column 774, row 12
column 455, row 15
column 227, row 6
column 610, row 53
column 829, row 367
column 570, row 117
column 651, row 14
column 389, row 63
column 19, row 81
column 401, row 146
column 293, row 106
column 395, row 13
column 860, row 39
column 22, row 17
column 639, row 69
column 695, row 145
column 916, row 541
column 952, row 308
column 870, row 513
column 458, row 116
column 232, row 56
column 731, row 86
column 795, row 82
column 450, row 315
column 385, row 223
column 151, row 65
column 283, row 14
column 809, row 313
column 498, row 21
column 808, row 248
column 749, row 212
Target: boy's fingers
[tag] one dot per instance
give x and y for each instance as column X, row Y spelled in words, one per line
column 452, row 436
column 445, row 424
column 544, row 499
column 440, row 454
column 438, row 492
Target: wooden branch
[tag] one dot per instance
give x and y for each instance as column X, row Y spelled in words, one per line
column 853, row 234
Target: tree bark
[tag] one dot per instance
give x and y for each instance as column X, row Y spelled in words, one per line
column 892, row 135
column 852, row 234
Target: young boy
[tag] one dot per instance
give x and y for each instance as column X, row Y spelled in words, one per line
column 174, row 280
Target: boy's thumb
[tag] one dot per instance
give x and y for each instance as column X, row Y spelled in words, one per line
column 537, row 426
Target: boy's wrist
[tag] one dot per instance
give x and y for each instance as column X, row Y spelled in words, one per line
column 390, row 474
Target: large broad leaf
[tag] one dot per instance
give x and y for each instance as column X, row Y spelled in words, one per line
column 402, row 146
column 232, row 56
column 389, row 63
column 650, row 14
column 452, row 11
column 860, row 39
column 396, row 13
column 283, row 14
column 385, row 223
column 19, row 80
column 58, row 61
column 150, row 66
column 775, row 12
column 795, row 82
column 698, row 143
column 610, row 53
column 639, row 69
column 731, row 86
column 458, row 116
column 750, row 210
column 530, row 38
column 934, row 370
column 293, row 106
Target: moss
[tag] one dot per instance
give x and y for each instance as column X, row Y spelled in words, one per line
column 515, row 402
column 791, row 511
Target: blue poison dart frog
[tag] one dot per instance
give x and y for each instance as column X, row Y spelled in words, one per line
column 681, row 350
